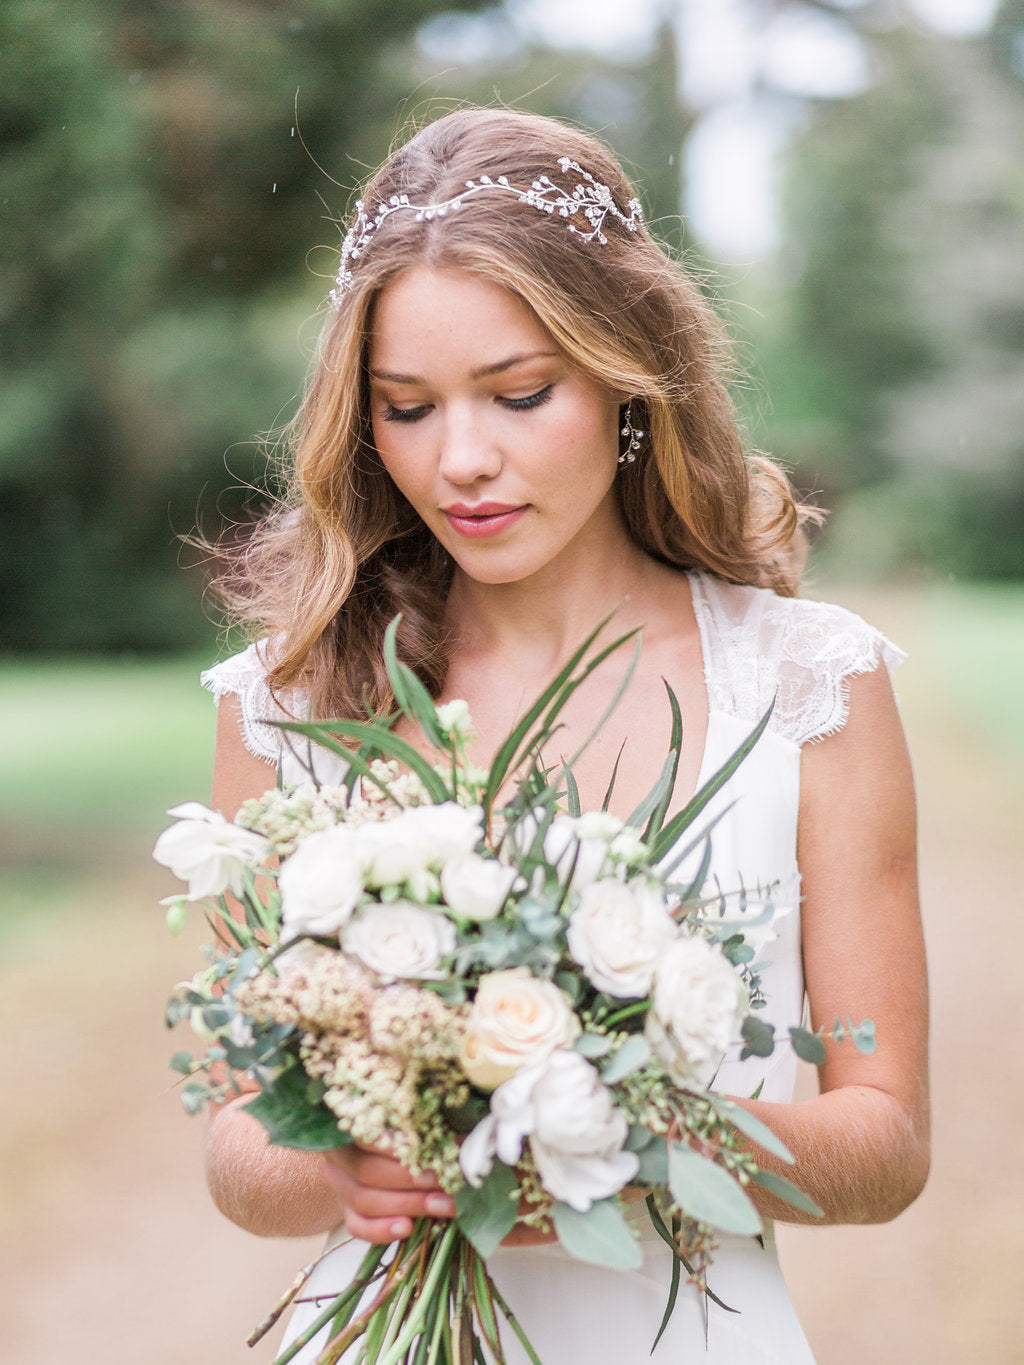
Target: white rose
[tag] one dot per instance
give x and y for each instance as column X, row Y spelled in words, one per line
column 389, row 852
column 400, row 941
column 446, row 831
column 207, row 851
column 476, row 887
column 618, row 933
column 576, row 1132
column 565, row 847
column 515, row 1019
column 699, row 1004
column 320, row 884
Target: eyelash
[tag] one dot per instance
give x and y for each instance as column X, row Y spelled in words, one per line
column 532, row 400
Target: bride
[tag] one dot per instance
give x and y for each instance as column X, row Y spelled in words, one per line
column 515, row 426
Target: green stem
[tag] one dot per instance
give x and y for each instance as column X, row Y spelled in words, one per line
column 440, row 1256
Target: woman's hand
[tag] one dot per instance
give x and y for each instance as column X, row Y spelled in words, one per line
column 380, row 1196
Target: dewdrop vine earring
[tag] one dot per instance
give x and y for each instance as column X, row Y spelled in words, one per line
column 633, row 437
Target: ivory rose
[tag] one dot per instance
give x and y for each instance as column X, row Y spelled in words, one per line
column 698, row 1007
column 400, row 940
column 618, row 933
column 320, row 884
column 515, row 1019
column 418, row 841
column 476, row 888
column 208, row 851
column 576, row 1133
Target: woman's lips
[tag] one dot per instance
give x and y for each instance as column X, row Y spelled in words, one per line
column 482, row 519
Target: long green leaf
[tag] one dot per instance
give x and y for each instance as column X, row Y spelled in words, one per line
column 645, row 811
column 707, row 1192
column 572, row 791
column 377, row 737
column 611, row 781
column 614, row 701
column 714, row 784
column 549, row 704
column 675, row 745
column 752, row 1127
column 785, row 1189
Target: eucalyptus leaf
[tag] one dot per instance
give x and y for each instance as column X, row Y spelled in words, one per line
column 708, row 1193
column 785, row 1189
column 487, row 1214
column 183, row 1062
column 631, row 1056
column 601, row 1236
column 753, row 1128
column 593, row 1045
column 653, row 1168
column 808, row 1046
column 759, row 1038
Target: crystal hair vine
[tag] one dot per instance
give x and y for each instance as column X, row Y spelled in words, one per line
column 588, row 200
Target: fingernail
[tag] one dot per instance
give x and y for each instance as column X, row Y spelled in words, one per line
column 439, row 1205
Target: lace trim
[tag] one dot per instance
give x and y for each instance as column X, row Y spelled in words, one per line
column 245, row 676
column 803, row 654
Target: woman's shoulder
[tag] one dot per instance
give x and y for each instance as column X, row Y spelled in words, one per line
column 245, row 675
column 798, row 653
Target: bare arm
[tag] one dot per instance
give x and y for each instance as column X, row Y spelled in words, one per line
column 862, row 1146
column 279, row 1191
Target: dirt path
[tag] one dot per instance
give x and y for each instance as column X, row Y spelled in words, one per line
column 113, row 1255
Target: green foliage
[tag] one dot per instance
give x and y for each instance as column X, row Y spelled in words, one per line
column 290, row 1108
column 487, row 1215
column 708, row 1193
column 601, row 1236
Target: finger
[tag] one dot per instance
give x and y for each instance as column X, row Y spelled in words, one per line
column 373, row 1201
column 371, row 1168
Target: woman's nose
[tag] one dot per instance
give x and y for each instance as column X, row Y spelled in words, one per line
column 467, row 451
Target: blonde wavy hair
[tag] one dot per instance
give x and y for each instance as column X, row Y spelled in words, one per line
column 343, row 552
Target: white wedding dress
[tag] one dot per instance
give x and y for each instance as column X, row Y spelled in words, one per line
column 757, row 648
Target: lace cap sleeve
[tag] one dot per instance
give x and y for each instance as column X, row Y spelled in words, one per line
column 759, row 648
column 245, row 676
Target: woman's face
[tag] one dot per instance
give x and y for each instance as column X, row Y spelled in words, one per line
column 507, row 453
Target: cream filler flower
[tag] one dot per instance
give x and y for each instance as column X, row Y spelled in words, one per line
column 400, row 940
column 515, row 1020
column 320, row 884
column 208, row 851
column 698, row 1007
column 575, row 1131
column 618, row 934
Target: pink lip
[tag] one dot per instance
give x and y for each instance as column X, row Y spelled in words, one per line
column 482, row 518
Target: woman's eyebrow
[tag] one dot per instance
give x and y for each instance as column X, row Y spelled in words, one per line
column 499, row 367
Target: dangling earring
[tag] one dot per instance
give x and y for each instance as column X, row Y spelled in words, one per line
column 633, row 436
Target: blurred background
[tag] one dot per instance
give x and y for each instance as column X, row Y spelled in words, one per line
column 847, row 174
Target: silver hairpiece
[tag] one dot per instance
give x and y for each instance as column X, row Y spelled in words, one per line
column 588, row 199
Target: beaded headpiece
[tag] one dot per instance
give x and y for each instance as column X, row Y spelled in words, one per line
column 587, row 200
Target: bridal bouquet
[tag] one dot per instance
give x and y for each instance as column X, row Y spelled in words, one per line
column 527, row 999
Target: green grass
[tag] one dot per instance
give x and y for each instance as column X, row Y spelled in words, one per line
column 94, row 746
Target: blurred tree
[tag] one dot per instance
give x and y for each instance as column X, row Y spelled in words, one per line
column 896, row 376
column 157, row 200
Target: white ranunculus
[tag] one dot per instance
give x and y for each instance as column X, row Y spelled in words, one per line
column 699, row 1005
column 618, row 933
column 400, row 941
column 320, row 883
column 208, row 851
column 476, row 887
column 514, row 1020
column 576, row 1133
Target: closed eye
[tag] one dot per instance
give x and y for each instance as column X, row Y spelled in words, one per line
column 532, row 400
column 393, row 414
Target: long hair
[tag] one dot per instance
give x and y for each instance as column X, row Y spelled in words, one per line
column 344, row 552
